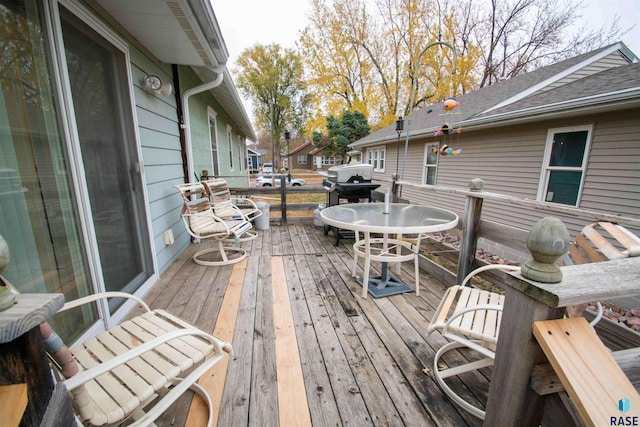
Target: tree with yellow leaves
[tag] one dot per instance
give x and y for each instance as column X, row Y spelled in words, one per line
column 364, row 55
column 377, row 56
column 272, row 78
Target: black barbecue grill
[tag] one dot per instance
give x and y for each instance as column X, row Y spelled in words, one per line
column 347, row 184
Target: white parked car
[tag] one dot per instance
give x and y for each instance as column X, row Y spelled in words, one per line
column 267, row 168
column 265, row 181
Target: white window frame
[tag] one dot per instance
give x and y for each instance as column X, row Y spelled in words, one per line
column 328, row 160
column 53, row 26
column 302, row 159
column 230, row 143
column 545, row 172
column 425, row 175
column 377, row 158
column 240, row 145
column 213, row 118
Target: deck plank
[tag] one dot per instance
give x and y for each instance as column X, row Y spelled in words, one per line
column 293, row 409
column 296, row 241
column 345, row 313
column 306, row 241
column 237, row 389
column 361, row 360
column 351, row 405
column 389, row 349
column 263, row 403
column 214, row 380
column 286, row 238
column 321, row 400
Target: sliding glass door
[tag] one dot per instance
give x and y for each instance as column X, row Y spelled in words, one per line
column 39, row 218
column 97, row 73
column 72, row 209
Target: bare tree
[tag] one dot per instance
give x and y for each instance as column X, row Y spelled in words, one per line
column 517, row 36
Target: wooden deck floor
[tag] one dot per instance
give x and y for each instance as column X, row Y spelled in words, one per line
column 308, row 349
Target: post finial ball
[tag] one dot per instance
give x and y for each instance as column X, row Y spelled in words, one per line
column 547, row 241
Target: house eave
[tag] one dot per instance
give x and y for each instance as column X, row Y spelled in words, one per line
column 625, row 99
column 183, row 32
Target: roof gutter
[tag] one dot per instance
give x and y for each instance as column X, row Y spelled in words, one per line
column 598, row 103
column 186, row 122
column 592, row 104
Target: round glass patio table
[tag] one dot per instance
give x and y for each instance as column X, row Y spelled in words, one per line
column 393, row 219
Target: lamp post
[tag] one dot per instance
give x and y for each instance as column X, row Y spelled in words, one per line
column 287, row 137
column 394, row 185
column 399, row 128
column 414, row 89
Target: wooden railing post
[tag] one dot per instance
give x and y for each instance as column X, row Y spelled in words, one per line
column 283, row 198
column 470, row 230
column 395, row 188
column 512, row 402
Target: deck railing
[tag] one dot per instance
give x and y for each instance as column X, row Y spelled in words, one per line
column 512, row 402
column 473, row 226
column 277, row 198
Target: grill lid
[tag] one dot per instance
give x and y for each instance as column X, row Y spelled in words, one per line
column 350, row 173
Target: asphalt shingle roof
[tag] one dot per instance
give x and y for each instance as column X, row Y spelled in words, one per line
column 474, row 105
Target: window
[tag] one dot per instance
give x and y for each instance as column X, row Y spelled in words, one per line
column 230, row 143
column 240, row 145
column 431, row 164
column 564, row 164
column 328, row 160
column 302, row 159
column 213, row 137
column 376, row 158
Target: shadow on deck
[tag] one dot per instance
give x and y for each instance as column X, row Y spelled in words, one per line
column 360, row 361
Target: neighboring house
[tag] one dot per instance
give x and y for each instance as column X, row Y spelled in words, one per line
column 321, row 161
column 254, row 160
column 355, row 156
column 94, row 137
column 301, row 158
column 566, row 134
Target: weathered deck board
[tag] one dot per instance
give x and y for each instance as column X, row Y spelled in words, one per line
column 321, row 400
column 361, row 359
column 236, row 397
column 382, row 315
column 293, row 409
column 223, row 313
column 264, row 394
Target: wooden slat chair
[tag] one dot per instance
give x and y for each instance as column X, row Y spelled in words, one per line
column 202, row 223
column 468, row 317
column 225, row 204
column 593, row 244
column 137, row 364
column 597, row 242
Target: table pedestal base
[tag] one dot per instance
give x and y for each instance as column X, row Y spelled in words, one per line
column 380, row 286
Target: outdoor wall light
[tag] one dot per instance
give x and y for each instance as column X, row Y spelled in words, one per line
column 154, row 85
column 399, row 124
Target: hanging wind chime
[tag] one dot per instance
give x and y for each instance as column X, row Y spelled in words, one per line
column 449, row 105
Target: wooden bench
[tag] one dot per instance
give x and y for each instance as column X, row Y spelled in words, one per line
column 590, row 375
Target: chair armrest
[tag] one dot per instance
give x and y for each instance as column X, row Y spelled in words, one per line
column 103, row 295
column 440, row 315
column 107, row 366
column 505, row 267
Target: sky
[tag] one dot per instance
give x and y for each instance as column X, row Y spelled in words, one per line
column 248, row 22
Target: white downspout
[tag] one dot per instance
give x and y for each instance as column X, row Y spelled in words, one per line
column 186, row 125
